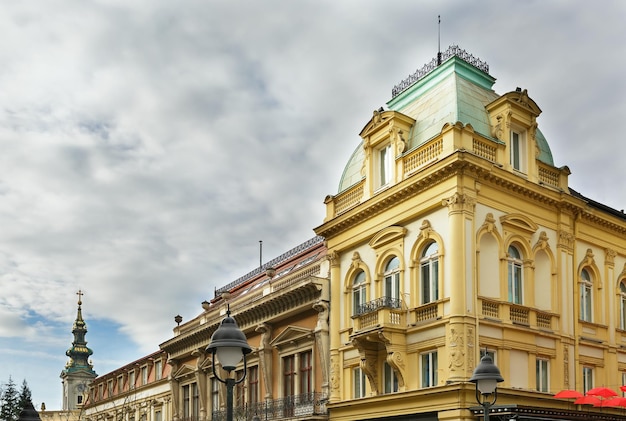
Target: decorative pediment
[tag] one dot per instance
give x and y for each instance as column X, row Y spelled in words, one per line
column 183, row 371
column 519, row 222
column 384, row 125
column 387, row 235
column 292, row 335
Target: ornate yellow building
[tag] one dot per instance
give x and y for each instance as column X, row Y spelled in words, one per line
column 282, row 308
column 454, row 234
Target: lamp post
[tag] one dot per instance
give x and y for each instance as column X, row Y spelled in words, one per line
column 486, row 376
column 229, row 344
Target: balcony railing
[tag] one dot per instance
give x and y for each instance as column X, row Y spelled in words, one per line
column 382, row 302
column 519, row 315
column 304, row 405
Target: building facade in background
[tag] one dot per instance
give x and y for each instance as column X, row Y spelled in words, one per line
column 138, row 391
column 454, row 235
column 283, row 308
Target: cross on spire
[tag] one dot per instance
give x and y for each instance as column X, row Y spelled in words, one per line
column 80, row 294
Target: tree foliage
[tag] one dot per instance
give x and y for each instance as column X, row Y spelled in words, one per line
column 13, row 401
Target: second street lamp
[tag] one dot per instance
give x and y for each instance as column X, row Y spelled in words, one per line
column 486, row 376
column 229, row 345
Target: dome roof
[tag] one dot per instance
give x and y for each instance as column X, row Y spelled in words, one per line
column 454, row 91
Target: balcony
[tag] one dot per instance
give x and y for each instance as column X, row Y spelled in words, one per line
column 381, row 312
column 518, row 315
column 296, row 406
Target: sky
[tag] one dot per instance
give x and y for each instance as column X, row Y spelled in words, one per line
column 147, row 146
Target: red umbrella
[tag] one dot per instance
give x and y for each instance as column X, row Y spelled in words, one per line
column 614, row 402
column 588, row 400
column 568, row 394
column 622, row 388
column 603, row 392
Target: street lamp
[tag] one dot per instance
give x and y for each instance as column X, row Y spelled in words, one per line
column 486, row 376
column 229, row 344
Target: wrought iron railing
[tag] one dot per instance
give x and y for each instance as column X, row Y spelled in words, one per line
column 453, row 50
column 382, row 302
column 303, row 405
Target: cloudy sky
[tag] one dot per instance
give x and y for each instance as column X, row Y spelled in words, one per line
column 148, row 145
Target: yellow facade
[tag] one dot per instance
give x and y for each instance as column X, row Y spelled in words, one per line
column 456, row 235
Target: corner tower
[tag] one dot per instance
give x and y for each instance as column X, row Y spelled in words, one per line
column 78, row 372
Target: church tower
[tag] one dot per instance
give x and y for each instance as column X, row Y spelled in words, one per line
column 78, row 372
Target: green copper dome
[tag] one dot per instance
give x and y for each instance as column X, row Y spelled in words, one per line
column 457, row 90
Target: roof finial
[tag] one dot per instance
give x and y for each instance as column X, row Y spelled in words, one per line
column 80, row 294
column 439, row 40
column 260, row 254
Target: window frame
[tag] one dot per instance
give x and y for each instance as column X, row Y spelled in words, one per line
column 586, row 296
column 429, row 274
column 358, row 383
column 517, row 146
column 587, row 378
column 542, row 374
column 391, row 284
column 390, row 380
column 622, row 305
column 384, row 165
column 429, row 366
column 359, row 292
column 515, row 275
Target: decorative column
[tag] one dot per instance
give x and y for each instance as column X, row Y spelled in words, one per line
column 335, row 339
column 201, row 381
column 174, row 388
column 460, row 332
column 265, row 357
column 323, row 341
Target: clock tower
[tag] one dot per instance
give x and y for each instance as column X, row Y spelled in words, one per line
column 78, row 372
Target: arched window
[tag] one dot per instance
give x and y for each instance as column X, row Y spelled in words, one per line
column 586, row 289
column 515, row 281
column 392, row 283
column 359, row 295
column 429, row 266
column 622, row 305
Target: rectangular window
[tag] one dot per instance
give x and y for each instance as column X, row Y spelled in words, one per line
column 158, row 416
column 289, row 376
column 390, row 381
column 518, row 150
column 195, row 401
column 158, row 370
column 392, row 288
column 359, row 383
column 110, row 388
column 306, row 373
column 100, row 391
column 289, row 383
column 429, row 369
column 430, row 281
column 542, row 371
column 186, row 401
column 131, row 379
column 585, row 302
column 215, row 394
column 144, row 375
column 587, row 379
column 622, row 305
column 120, row 384
column 253, row 385
column 385, row 165
column 240, row 391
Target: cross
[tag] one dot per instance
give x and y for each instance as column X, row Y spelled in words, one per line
column 80, row 294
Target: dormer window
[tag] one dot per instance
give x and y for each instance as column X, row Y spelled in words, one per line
column 518, row 150
column 385, row 165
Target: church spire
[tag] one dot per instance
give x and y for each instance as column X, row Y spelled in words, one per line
column 79, row 353
column 78, row 372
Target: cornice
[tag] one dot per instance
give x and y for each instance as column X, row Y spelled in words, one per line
column 462, row 162
column 274, row 305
